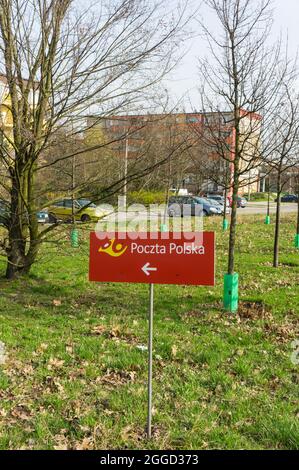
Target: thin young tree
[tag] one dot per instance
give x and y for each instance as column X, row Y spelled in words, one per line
column 297, row 192
column 285, row 135
column 241, row 81
column 61, row 60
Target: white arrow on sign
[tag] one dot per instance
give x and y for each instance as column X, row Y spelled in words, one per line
column 147, row 269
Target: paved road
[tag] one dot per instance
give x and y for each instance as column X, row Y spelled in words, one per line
column 251, row 209
column 261, row 208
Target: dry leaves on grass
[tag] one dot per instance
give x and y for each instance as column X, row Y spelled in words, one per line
column 69, row 349
column 116, row 378
column 86, row 444
column 115, row 334
column 21, row 412
column 174, row 350
column 55, row 363
column 193, row 314
column 61, row 442
column 283, row 333
column 53, row 384
column 98, row 330
column 42, row 348
column 28, row 370
column 200, row 314
column 253, row 311
column 133, row 434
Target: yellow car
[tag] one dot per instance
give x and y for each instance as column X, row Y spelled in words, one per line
column 84, row 211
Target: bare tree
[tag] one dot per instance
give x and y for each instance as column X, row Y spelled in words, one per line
column 62, row 60
column 297, row 192
column 159, row 137
column 285, row 135
column 241, row 86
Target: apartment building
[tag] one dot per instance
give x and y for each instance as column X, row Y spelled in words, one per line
column 132, row 133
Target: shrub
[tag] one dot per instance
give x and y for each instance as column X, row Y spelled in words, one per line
column 146, row 197
column 261, row 196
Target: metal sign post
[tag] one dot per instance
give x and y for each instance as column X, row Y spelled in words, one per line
column 150, row 359
column 150, row 258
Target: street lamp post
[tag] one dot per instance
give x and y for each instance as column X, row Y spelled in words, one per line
column 268, row 219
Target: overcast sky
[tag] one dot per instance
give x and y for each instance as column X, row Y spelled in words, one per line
column 183, row 81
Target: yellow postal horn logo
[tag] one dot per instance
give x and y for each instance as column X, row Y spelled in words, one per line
column 112, row 250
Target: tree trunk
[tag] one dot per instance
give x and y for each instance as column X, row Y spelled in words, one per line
column 226, row 189
column 298, row 208
column 16, row 257
column 19, row 262
column 268, row 204
column 225, row 204
column 34, row 240
column 17, row 243
column 233, row 224
column 15, row 260
column 277, row 223
column 23, row 227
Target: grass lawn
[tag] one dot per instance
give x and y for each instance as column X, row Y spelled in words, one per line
column 75, row 372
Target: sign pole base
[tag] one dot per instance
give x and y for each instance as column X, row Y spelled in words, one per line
column 231, row 294
column 296, row 240
column 150, row 359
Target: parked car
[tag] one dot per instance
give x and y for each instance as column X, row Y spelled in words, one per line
column 42, row 216
column 179, row 191
column 191, row 205
column 84, row 211
column 241, row 201
column 4, row 212
column 220, row 200
column 289, row 198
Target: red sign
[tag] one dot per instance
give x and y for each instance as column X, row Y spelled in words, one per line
column 150, row 258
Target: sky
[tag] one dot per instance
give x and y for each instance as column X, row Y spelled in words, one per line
column 183, row 81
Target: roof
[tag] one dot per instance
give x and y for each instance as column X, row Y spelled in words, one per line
column 3, row 79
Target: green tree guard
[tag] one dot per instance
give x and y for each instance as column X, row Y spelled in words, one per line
column 297, row 240
column 267, row 220
column 74, row 238
column 225, row 224
column 231, row 292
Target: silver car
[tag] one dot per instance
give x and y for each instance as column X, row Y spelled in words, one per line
column 220, row 203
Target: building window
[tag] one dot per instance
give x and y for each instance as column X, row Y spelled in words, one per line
column 192, row 119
